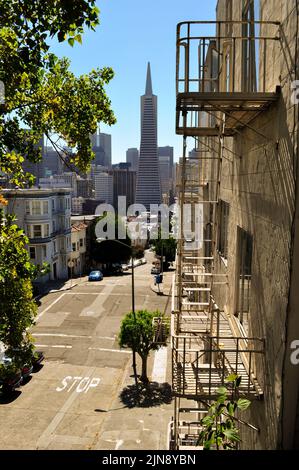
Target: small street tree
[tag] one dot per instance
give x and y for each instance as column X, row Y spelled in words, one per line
column 138, row 333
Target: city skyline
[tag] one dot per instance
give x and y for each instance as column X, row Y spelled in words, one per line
column 126, row 42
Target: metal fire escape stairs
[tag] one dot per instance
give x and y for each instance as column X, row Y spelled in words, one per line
column 205, row 348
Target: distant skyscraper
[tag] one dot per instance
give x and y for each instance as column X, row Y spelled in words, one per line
column 133, row 157
column 148, row 188
column 167, row 152
column 124, row 184
column 101, row 146
column 104, row 187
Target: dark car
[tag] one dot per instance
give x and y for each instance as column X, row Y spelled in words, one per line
column 10, row 377
column 95, row 276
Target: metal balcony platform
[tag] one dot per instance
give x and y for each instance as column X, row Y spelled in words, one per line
column 239, row 108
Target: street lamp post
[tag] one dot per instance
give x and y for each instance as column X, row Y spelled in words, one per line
column 99, row 240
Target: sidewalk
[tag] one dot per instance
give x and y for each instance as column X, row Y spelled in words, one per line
column 57, row 286
column 129, row 426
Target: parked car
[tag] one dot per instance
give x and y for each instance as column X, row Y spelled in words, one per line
column 95, row 276
column 143, row 261
column 26, row 368
column 10, row 377
column 124, row 267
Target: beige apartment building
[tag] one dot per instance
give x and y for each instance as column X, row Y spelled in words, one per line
column 236, row 303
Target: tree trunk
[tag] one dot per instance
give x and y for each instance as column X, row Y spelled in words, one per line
column 144, row 377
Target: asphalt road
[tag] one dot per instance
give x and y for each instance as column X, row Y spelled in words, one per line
column 61, row 407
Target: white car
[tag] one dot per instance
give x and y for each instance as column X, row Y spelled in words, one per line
column 124, row 267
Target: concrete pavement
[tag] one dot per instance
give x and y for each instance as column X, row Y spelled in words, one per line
column 82, row 398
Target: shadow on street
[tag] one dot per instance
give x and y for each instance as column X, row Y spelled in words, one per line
column 152, row 394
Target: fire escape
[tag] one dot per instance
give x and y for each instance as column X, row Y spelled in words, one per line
column 221, row 84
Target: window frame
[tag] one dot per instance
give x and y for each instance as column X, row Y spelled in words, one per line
column 223, row 229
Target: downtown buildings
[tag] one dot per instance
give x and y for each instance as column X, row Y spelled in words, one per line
column 236, row 296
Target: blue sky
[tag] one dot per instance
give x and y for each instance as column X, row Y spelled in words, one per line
column 131, row 33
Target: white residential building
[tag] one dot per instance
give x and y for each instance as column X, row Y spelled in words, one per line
column 78, row 248
column 45, row 216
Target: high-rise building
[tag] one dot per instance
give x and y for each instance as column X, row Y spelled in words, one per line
column 148, row 188
column 104, row 187
column 132, row 156
column 101, row 146
column 124, row 184
column 51, row 163
column 164, row 164
column 167, row 152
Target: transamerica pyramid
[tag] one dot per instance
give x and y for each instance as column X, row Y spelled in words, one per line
column 148, row 188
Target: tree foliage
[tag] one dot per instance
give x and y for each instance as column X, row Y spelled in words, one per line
column 138, row 333
column 42, row 97
column 165, row 247
column 18, row 309
column 219, row 427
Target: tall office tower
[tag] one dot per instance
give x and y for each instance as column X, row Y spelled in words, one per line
column 101, row 146
column 124, row 184
column 166, row 181
column 104, row 187
column 148, row 188
column 132, row 156
column 167, row 152
column 51, row 163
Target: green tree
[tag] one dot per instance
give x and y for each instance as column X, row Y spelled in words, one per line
column 138, row 333
column 18, row 309
column 166, row 248
column 219, row 427
column 42, row 97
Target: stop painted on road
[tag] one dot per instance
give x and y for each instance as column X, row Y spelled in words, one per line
column 78, row 384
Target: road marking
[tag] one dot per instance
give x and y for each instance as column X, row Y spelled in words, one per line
column 160, row 365
column 110, row 350
column 49, row 434
column 83, row 383
column 51, row 305
column 63, row 335
column 62, row 346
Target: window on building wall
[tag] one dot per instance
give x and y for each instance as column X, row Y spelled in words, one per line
column 53, row 205
column 37, row 231
column 44, row 252
column 45, row 207
column 244, row 273
column 27, row 207
column 54, row 226
column 32, row 252
column 74, row 246
column 54, row 247
column 250, row 53
column 81, row 242
column 36, row 208
column 223, row 229
column 46, row 230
